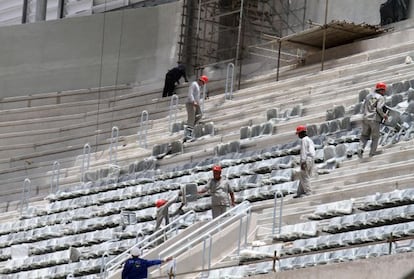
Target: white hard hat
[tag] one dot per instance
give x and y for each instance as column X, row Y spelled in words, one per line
column 135, row 252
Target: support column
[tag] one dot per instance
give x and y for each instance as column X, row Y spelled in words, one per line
column 61, row 9
column 41, row 7
column 24, row 11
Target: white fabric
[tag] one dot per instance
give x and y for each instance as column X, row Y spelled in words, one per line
column 193, row 93
column 307, row 149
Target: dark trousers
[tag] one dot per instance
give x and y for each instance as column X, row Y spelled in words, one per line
column 169, row 86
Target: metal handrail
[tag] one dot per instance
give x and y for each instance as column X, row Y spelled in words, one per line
column 208, row 230
column 210, row 244
column 54, row 180
column 113, row 146
column 143, row 127
column 27, row 190
column 148, row 241
column 173, row 111
column 280, row 212
column 203, row 97
column 216, row 225
column 229, row 95
column 86, row 152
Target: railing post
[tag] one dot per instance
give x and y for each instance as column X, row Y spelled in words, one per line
column 142, row 132
column 210, row 238
column 280, row 212
column 173, row 111
column 27, row 190
column 113, row 148
column 209, row 254
column 143, row 243
column 103, row 265
column 228, row 95
column 54, row 180
column 203, row 97
column 247, row 226
column 86, row 157
column 173, row 269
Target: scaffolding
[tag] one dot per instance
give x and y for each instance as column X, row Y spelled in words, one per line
column 239, row 31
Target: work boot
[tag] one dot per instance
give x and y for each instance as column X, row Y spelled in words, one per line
column 188, row 134
column 378, row 152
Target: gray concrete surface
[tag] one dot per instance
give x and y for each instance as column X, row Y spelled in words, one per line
column 130, row 46
column 385, row 267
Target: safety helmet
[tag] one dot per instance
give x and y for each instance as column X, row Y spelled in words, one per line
column 160, row 202
column 216, row 168
column 204, row 79
column 380, row 85
column 136, row 252
column 300, row 128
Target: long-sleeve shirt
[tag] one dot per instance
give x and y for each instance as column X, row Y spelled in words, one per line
column 219, row 190
column 373, row 107
column 307, row 149
column 162, row 211
column 137, row 268
column 193, row 93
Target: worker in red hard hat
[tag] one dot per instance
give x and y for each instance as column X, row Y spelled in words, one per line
column 222, row 195
column 373, row 115
column 192, row 105
column 163, row 213
column 307, row 155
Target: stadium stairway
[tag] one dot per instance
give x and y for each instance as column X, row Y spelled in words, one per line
column 313, row 114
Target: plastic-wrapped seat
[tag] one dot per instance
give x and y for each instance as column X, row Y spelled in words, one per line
column 281, row 175
column 333, row 209
column 298, row 246
column 259, row 268
column 370, row 202
column 227, row 273
column 404, row 246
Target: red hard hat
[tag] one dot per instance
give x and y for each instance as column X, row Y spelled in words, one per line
column 381, row 85
column 217, row 168
column 300, row 128
column 204, row 79
column 160, row 202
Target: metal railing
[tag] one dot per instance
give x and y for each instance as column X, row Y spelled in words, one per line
column 228, row 95
column 113, row 148
column 54, row 179
column 203, row 98
column 143, row 127
column 278, row 193
column 86, row 158
column 26, row 193
column 172, row 116
column 207, row 231
column 150, row 241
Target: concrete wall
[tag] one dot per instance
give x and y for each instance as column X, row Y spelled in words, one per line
column 129, row 46
column 350, row 10
column 399, row 266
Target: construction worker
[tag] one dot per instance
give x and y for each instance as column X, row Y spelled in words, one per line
column 136, row 267
column 192, row 105
column 220, row 191
column 373, row 115
column 307, row 155
column 172, row 78
column 163, row 206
